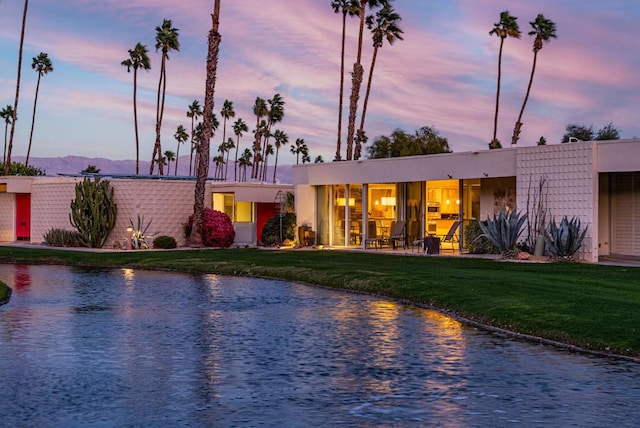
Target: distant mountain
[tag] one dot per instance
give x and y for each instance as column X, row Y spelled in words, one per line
column 75, row 164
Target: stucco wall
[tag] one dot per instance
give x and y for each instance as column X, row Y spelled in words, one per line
column 572, row 188
column 7, row 217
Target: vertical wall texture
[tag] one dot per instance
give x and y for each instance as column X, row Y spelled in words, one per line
column 7, row 216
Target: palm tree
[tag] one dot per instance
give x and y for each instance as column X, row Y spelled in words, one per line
column 383, row 25
column 239, row 127
column 351, row 8
column 275, row 115
column 356, row 76
column 138, row 58
column 181, row 136
column 506, row 27
column 218, row 161
column 226, row 112
column 244, row 162
column 260, row 110
column 228, row 146
column 42, row 65
column 7, row 115
column 208, row 119
column 15, row 104
column 166, row 40
column 299, row 148
column 543, row 30
column 280, row 139
column 267, row 152
column 170, row 157
column 194, row 112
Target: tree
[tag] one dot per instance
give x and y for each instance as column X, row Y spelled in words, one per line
column 181, row 136
column 577, row 132
column 318, row 159
column 506, row 27
column 543, row 30
column 299, row 148
column 268, row 151
column 203, row 163
column 542, row 141
column 356, row 76
column 424, row 141
column 42, row 65
column 169, row 156
column 280, row 139
column 7, row 163
column 7, row 115
column 244, row 162
column 608, row 132
column 226, row 113
column 90, row 169
column 239, row 127
column 228, row 146
column 166, row 40
column 260, row 110
column 351, row 8
column 138, row 58
column 194, row 112
column 383, row 25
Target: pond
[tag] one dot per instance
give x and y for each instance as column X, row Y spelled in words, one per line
column 120, row 347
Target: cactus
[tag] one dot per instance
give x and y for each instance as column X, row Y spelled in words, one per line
column 503, row 231
column 565, row 239
column 93, row 212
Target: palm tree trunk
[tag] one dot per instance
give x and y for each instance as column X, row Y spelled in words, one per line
column 518, row 126
column 33, row 120
column 175, row 169
column 135, row 117
column 275, row 165
column 235, row 163
column 203, row 166
column 495, row 119
column 6, row 129
column 15, row 104
column 356, row 81
column 164, row 91
column 155, row 145
column 339, row 143
column 360, row 136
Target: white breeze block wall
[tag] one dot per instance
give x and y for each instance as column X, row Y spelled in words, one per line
column 572, row 183
column 7, row 217
column 50, row 206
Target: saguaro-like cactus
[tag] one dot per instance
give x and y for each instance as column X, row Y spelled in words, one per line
column 93, row 211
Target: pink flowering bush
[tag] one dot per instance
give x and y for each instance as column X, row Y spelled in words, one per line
column 217, row 229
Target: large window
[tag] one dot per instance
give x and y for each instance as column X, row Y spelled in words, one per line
column 238, row 212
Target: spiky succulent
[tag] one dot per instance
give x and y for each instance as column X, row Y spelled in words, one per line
column 565, row 239
column 503, row 231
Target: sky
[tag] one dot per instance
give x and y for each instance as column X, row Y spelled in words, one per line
column 443, row 74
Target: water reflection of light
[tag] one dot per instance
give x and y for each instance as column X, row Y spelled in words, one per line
column 129, row 276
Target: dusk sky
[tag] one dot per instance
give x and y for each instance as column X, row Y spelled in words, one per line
column 443, row 74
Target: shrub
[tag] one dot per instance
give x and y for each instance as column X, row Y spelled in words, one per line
column 271, row 231
column 17, row 168
column 217, row 229
column 140, row 235
column 5, row 293
column 476, row 243
column 62, row 238
column 93, row 212
column 565, row 239
column 165, row 242
column 503, row 231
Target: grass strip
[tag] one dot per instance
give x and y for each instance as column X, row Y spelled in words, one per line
column 590, row 306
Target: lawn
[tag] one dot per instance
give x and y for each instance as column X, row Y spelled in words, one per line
column 590, row 306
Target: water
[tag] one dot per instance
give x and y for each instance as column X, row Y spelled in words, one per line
column 137, row 349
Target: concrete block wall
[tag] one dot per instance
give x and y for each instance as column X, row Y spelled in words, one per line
column 50, row 206
column 572, row 185
column 7, row 217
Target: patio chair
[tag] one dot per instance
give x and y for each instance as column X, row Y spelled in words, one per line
column 398, row 234
column 372, row 235
column 452, row 235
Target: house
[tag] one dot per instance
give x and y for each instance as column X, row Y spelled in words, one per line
column 30, row 206
column 598, row 182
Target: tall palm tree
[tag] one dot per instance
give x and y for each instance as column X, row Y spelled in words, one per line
column 166, row 40
column 357, row 74
column 226, row 112
column 260, row 110
column 7, row 162
column 244, row 162
column 383, row 25
column 208, row 116
column 268, row 151
column 350, row 8
column 280, row 139
column 170, row 157
column 42, row 65
column 543, row 30
column 228, row 146
column 239, row 127
column 299, row 148
column 275, row 115
column 181, row 136
column 194, row 112
column 7, row 115
column 138, row 58
column 218, row 161
column 506, row 27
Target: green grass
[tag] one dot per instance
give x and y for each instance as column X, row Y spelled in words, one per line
column 5, row 292
column 590, row 306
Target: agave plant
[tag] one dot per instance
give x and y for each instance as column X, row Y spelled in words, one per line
column 565, row 239
column 139, row 234
column 503, row 231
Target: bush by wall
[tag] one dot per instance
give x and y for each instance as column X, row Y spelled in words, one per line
column 164, row 242
column 271, row 231
column 217, row 229
column 62, row 238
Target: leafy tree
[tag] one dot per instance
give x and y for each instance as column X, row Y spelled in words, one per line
column 506, row 27
column 181, row 136
column 213, row 51
column 350, row 8
column 239, row 128
column 424, row 141
column 608, row 132
column 280, row 139
column 7, row 162
column 383, row 25
column 357, row 74
column 42, row 65
column 579, row 132
column 166, row 41
column 7, row 115
column 17, row 168
column 194, row 112
column 90, row 169
column 138, row 58
column 543, row 30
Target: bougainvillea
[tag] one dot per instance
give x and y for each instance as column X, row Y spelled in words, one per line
column 217, row 229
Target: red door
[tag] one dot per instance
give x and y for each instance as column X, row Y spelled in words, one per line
column 23, row 216
column 265, row 211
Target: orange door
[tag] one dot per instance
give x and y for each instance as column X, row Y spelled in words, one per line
column 23, row 216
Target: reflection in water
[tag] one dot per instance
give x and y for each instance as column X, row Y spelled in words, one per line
column 21, row 277
column 134, row 348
